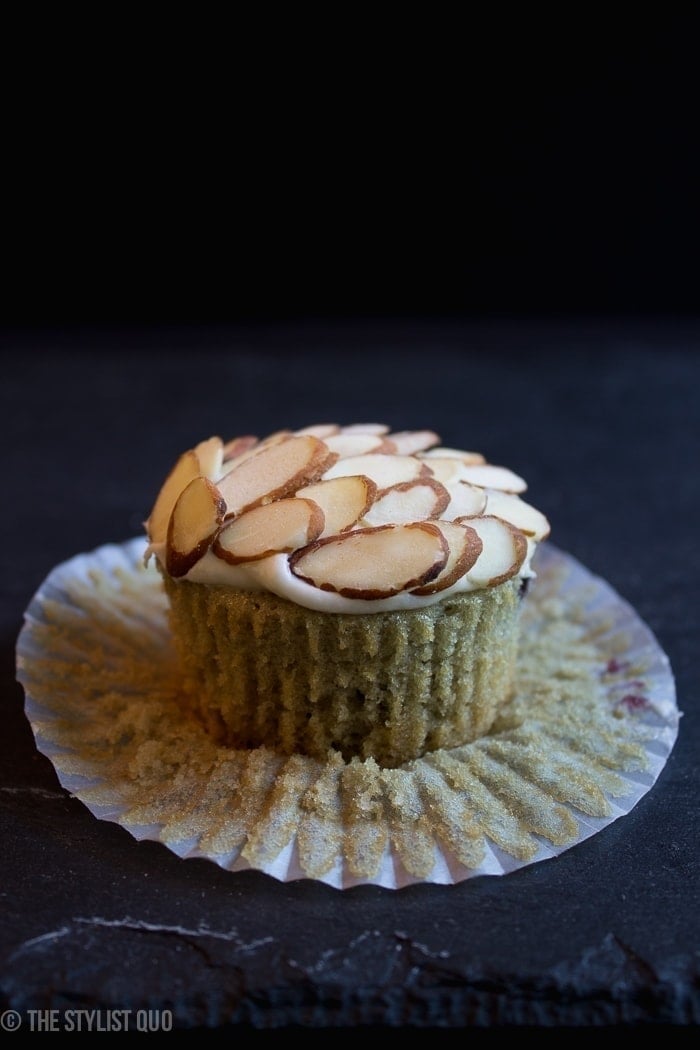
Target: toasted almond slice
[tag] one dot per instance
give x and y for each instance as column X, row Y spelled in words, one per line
column 238, row 445
column 453, row 453
column 465, row 547
column 465, row 501
column 409, row 501
column 447, row 469
column 319, row 430
column 408, row 442
column 358, row 444
column 276, row 471
column 373, row 563
column 210, row 456
column 488, row 476
column 365, row 428
column 184, row 471
column 344, row 501
column 384, row 470
column 504, row 551
column 196, row 516
column 276, row 436
column 512, row 508
column 272, row 439
column 273, row 528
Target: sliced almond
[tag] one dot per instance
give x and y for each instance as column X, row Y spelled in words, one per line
column 276, row 436
column 373, row 563
column 504, row 551
column 384, row 470
column 238, row 445
column 512, row 508
column 184, row 471
column 210, row 456
column 465, row 501
column 344, row 501
column 465, row 547
column 319, row 430
column 258, row 446
column 273, row 528
column 345, row 445
column 453, row 453
column 365, row 428
column 408, row 442
column 488, row 476
column 409, row 501
column 447, row 469
column 196, row 517
column 276, row 471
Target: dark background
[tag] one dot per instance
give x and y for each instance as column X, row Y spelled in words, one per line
column 518, row 163
column 489, row 228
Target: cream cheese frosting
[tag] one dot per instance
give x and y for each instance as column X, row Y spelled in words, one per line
column 344, row 519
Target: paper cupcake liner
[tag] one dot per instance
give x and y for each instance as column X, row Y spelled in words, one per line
column 591, row 726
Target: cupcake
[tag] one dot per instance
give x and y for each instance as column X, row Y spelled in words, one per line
column 345, row 588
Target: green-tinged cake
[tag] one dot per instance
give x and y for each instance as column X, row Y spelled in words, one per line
column 345, row 588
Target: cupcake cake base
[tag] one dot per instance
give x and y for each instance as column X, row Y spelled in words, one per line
column 390, row 686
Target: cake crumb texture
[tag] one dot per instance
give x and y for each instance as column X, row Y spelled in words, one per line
column 390, row 686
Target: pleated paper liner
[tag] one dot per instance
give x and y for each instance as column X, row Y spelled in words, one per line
column 589, row 730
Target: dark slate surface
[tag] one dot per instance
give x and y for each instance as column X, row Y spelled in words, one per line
column 603, row 419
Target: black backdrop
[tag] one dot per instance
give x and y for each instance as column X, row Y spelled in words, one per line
column 516, row 163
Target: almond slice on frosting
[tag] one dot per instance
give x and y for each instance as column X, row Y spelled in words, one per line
column 364, row 428
column 488, row 476
column 238, row 445
column 465, row 547
column 358, row 444
column 196, row 517
column 344, row 501
column 409, row 501
column 254, row 448
column 465, row 501
column 319, row 430
column 504, row 551
column 210, row 455
column 384, row 470
column 273, row 528
column 185, row 470
column 275, row 471
column 447, row 469
column 453, row 453
column 373, row 563
column 512, row 508
column 408, row 442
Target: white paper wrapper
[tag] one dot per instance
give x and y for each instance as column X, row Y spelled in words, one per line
column 591, row 726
